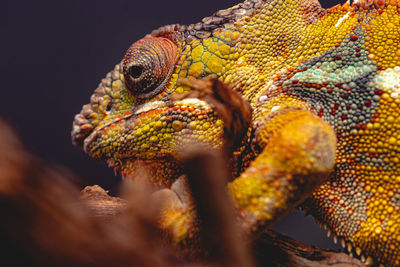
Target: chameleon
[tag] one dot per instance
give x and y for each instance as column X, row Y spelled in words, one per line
column 324, row 89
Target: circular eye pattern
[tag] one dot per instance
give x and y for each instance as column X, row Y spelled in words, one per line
column 147, row 66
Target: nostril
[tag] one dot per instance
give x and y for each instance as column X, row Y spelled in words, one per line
column 108, row 107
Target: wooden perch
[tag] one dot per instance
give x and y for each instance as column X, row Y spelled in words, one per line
column 101, row 204
column 220, row 234
column 274, row 249
column 271, row 249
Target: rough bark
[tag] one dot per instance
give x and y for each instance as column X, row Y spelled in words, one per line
column 270, row 249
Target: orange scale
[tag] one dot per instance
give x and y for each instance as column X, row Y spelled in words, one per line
column 277, row 184
column 86, row 127
column 126, row 113
column 350, row 210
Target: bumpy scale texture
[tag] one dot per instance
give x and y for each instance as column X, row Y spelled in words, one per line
column 324, row 86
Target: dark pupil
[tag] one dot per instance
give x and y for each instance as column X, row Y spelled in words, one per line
column 136, row 71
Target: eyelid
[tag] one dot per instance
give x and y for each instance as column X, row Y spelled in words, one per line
column 157, row 56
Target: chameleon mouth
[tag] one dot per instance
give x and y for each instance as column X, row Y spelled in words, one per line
column 150, row 136
column 128, row 116
column 132, row 125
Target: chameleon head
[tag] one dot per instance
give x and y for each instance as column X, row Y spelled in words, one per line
column 131, row 122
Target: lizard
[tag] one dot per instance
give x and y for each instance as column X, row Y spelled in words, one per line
column 323, row 86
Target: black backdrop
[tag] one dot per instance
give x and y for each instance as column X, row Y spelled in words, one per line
column 54, row 53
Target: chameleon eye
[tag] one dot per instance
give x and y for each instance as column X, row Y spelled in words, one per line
column 147, row 66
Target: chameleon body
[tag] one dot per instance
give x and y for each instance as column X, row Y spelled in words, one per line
column 312, row 77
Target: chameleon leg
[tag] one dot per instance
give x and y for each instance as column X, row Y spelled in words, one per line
column 298, row 155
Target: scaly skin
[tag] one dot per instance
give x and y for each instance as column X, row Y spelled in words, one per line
column 312, row 77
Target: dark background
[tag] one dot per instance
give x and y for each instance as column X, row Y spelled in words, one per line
column 53, row 55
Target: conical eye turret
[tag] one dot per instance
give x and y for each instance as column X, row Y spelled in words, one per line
column 147, row 66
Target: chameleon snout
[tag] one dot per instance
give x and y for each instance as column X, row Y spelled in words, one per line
column 106, row 98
